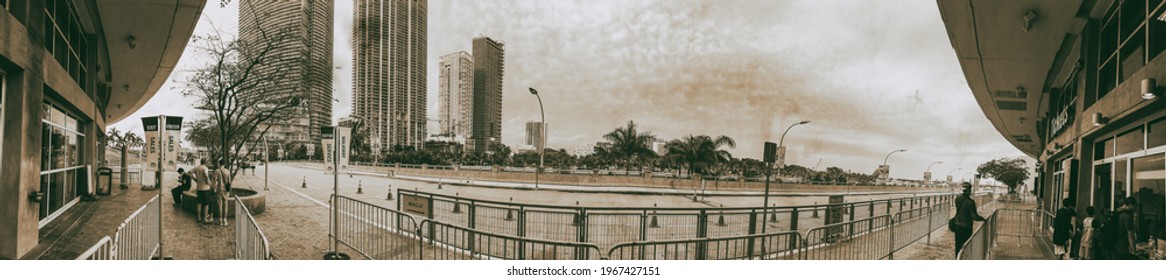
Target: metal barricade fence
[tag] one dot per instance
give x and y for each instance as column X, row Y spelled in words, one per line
column 136, row 238
column 866, row 239
column 779, row 245
column 979, row 245
column 250, row 242
column 451, row 242
column 912, row 225
column 376, row 232
column 1024, row 223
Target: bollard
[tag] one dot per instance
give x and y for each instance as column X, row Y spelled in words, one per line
column 304, row 185
column 439, row 186
column 509, row 215
column 349, row 174
column 457, row 208
column 815, row 213
column 390, row 196
column 773, row 215
column 655, row 223
column 721, row 220
column 359, row 187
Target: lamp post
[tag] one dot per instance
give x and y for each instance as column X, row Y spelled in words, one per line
column 888, row 170
column 928, row 172
column 769, row 173
column 542, row 137
column 266, row 163
column 949, row 173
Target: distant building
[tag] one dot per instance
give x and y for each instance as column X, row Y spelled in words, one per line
column 489, row 60
column 455, row 95
column 584, row 150
column 306, row 58
column 389, row 56
column 534, row 135
column 658, row 147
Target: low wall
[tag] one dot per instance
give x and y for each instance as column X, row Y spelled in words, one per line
column 616, row 180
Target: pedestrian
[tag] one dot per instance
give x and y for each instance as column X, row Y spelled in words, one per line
column 1063, row 225
column 220, row 181
column 201, row 177
column 1125, row 236
column 183, row 186
column 1087, row 229
column 965, row 217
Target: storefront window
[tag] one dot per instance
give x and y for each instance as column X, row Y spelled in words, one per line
column 1102, row 186
column 61, row 163
column 1103, row 149
column 1130, row 141
column 1149, row 186
column 1156, row 133
column 1119, row 182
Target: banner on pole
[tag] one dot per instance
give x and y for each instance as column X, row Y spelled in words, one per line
column 150, row 125
column 173, row 132
column 343, row 139
column 326, row 135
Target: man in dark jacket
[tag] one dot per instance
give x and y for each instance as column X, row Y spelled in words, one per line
column 183, row 185
column 1063, row 225
column 1125, row 236
column 965, row 215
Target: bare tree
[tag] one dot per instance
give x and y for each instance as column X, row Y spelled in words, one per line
column 241, row 86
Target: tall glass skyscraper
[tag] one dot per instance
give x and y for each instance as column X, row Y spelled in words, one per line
column 389, row 63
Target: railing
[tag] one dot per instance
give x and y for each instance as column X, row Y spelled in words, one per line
column 866, row 239
column 136, row 238
column 979, row 245
column 250, row 242
column 607, row 226
column 450, row 242
column 375, row 232
column 780, row 245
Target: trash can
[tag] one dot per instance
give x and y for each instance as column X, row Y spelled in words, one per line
column 104, row 187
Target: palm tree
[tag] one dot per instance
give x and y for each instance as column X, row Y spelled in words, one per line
column 701, row 151
column 630, row 145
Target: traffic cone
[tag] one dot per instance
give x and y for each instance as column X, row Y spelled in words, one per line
column 457, row 208
column 304, row 185
column 721, row 221
column 390, row 196
column 773, row 217
column 359, row 188
column 576, row 221
column 654, row 223
column 815, row 214
column 439, row 186
column 509, row 215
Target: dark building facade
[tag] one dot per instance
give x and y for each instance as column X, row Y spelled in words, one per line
column 389, row 70
column 305, row 59
column 489, row 62
column 68, row 69
column 1077, row 86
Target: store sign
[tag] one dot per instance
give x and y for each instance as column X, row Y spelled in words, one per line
column 1062, row 120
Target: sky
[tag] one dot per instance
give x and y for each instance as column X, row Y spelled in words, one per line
column 871, row 76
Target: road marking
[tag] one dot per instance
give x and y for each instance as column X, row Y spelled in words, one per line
column 322, row 204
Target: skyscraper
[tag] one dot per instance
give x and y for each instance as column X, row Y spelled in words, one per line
column 456, row 93
column 309, row 23
column 489, row 58
column 534, row 135
column 389, row 70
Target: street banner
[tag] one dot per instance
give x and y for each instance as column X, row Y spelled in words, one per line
column 326, row 135
column 343, row 141
column 311, row 149
column 927, row 176
column 780, row 157
column 152, row 145
column 173, row 134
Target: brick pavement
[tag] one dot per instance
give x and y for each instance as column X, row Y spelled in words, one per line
column 296, row 227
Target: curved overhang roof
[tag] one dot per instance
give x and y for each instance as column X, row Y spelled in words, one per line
column 160, row 30
column 1013, row 53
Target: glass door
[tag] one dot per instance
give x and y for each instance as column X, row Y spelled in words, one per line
column 1102, row 186
column 1149, row 186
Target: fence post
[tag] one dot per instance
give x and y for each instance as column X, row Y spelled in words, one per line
column 930, row 217
column 470, row 223
column 891, row 249
column 521, row 229
column 582, row 226
column 701, row 232
column 753, row 230
column 644, row 225
column 793, row 225
column 889, row 206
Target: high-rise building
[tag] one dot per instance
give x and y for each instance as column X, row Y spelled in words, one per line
column 534, row 135
column 305, row 59
column 455, row 95
column 489, row 58
column 388, row 89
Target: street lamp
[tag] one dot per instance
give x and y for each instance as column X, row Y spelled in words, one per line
column 769, row 172
column 542, row 138
column 928, row 172
column 949, row 173
column 932, row 164
column 888, row 170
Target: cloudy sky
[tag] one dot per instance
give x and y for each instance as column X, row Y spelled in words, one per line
column 872, row 76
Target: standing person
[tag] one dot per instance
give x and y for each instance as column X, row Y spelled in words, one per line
column 1087, row 230
column 183, row 186
column 965, row 217
column 1063, row 226
column 1125, row 234
column 220, row 183
column 201, row 177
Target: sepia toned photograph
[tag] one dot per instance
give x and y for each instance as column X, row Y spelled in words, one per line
column 613, row 132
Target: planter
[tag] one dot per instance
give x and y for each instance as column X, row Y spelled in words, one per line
column 254, row 201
